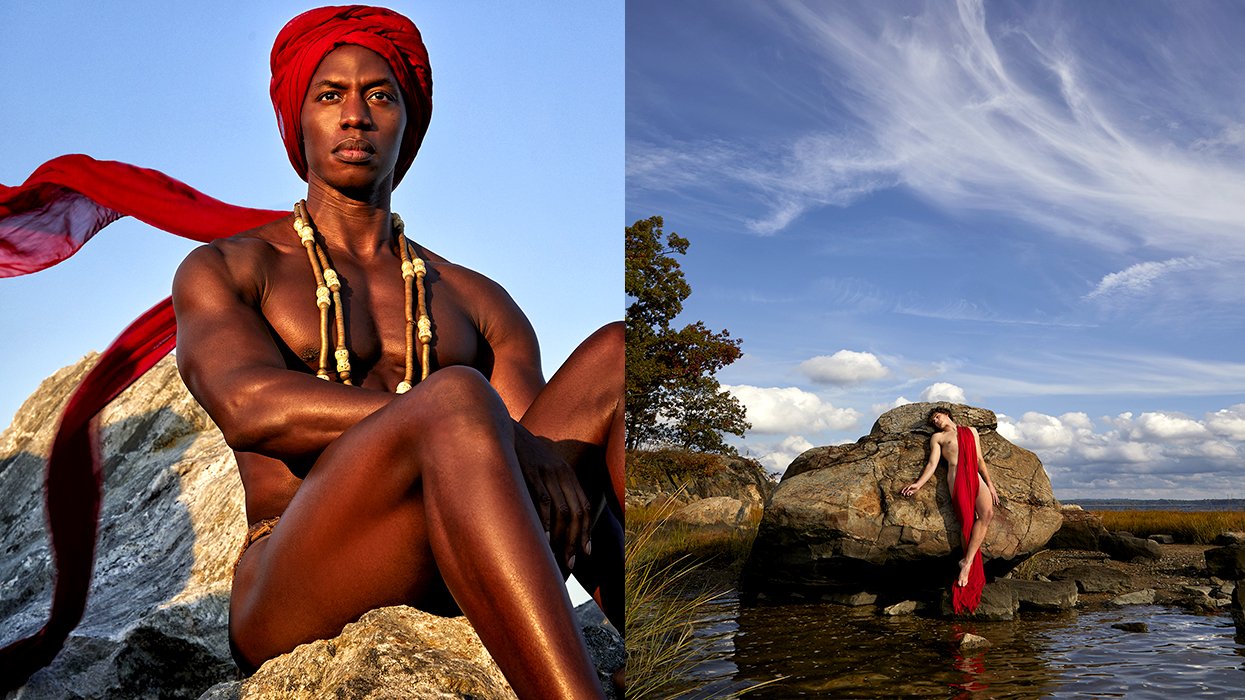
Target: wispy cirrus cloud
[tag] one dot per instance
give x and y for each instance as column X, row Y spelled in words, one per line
column 1140, row 277
column 1027, row 116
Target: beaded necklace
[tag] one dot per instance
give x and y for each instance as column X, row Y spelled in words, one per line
column 328, row 293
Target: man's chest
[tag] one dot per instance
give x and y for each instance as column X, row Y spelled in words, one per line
column 373, row 315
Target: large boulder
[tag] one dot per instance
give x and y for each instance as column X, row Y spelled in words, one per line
column 838, row 520
column 170, row 525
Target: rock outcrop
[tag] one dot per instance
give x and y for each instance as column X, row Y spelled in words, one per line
column 1081, row 529
column 171, row 522
column 677, row 479
column 838, row 520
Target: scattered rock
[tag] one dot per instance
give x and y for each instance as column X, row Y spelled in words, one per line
column 1227, row 588
column 838, row 518
column 1080, row 530
column 1142, row 597
column 907, row 607
column 1227, row 562
column 1238, row 611
column 717, row 511
column 1162, row 539
column 854, row 599
column 972, row 641
column 999, row 601
column 1091, row 578
column 1132, row 626
column 1046, row 595
column 1123, row 546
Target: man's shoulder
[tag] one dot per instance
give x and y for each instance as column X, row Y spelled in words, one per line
column 237, row 261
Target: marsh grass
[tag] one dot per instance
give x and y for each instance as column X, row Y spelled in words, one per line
column 668, row 598
column 1191, row 527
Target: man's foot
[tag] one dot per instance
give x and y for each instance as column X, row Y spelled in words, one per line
column 965, row 565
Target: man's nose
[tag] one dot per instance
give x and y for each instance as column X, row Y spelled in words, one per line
column 356, row 113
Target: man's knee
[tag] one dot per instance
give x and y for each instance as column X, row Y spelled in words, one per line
column 986, row 514
column 607, row 346
column 454, row 404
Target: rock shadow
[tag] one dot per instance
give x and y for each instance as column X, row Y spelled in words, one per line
column 131, row 642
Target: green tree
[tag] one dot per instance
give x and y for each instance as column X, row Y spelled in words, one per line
column 672, row 395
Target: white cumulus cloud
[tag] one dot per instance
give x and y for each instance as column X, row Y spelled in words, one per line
column 943, row 391
column 790, row 410
column 844, row 367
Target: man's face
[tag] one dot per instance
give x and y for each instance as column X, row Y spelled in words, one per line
column 352, row 119
column 941, row 421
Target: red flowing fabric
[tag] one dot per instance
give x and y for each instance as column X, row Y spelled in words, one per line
column 43, row 221
column 964, row 500
column 69, row 199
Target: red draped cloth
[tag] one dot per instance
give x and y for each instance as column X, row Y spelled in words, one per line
column 69, row 199
column 964, row 501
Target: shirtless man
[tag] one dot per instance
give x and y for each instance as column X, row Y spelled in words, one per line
column 475, row 490
column 945, row 444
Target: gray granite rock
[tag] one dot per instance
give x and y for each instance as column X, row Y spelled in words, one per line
column 171, row 522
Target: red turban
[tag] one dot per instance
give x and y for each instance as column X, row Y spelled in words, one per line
column 309, row 37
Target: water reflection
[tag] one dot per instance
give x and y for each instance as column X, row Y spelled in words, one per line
column 828, row 650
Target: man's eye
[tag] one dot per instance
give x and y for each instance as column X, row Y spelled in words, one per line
column 327, row 95
column 382, row 96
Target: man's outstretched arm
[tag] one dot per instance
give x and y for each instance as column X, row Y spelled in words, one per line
column 233, row 368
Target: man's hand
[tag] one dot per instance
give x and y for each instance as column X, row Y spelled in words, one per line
column 560, row 502
column 911, row 488
column 994, row 495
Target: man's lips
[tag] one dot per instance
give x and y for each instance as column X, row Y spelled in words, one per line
column 354, row 150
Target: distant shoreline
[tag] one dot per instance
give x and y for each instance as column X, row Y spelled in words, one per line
column 1202, row 505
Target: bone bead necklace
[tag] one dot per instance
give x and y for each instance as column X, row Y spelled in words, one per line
column 328, row 294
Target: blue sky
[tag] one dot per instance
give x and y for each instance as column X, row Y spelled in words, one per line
column 1032, row 207
column 520, row 176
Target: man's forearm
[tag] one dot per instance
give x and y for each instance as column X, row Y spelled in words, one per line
column 286, row 414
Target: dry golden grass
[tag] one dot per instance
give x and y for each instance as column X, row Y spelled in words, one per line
column 1192, row 527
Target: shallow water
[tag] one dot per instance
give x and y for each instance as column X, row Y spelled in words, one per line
column 835, row 651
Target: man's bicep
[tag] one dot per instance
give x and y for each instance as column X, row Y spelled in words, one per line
column 219, row 334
